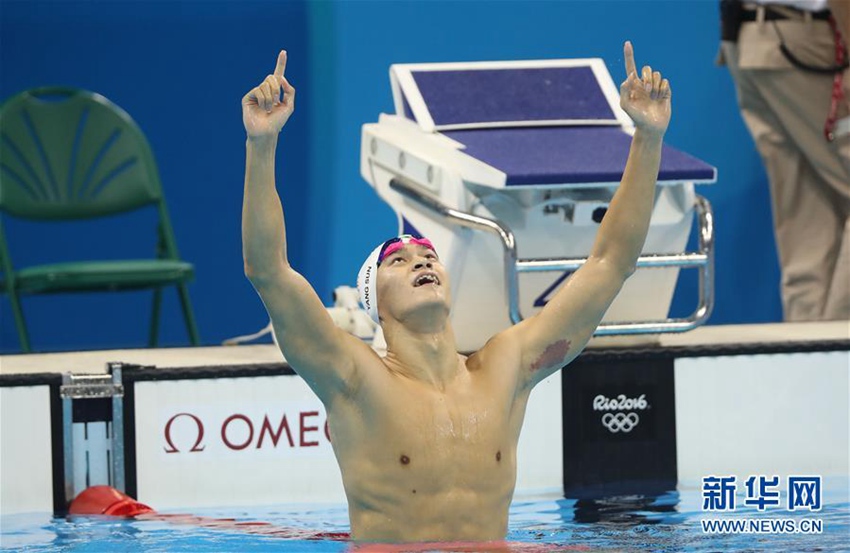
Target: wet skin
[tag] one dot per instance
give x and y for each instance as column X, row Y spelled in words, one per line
column 420, row 463
column 426, row 438
column 429, row 458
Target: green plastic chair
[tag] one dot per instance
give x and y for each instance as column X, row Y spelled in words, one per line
column 68, row 154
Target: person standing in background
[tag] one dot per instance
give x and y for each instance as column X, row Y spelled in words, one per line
column 788, row 59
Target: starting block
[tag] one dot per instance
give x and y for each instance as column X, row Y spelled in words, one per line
column 508, row 168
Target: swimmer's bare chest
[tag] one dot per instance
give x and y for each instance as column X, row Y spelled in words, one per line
column 441, row 457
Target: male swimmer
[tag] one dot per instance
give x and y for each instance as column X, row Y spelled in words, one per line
column 425, row 437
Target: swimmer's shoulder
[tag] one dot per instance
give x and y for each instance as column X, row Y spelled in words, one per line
column 499, row 352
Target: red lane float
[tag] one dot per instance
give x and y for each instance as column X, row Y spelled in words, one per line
column 105, row 500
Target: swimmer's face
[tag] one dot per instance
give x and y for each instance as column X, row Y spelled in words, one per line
column 412, row 282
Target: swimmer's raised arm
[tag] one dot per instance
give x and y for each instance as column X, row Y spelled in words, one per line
column 311, row 343
column 558, row 333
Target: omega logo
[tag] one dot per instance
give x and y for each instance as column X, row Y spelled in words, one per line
column 171, row 448
column 237, row 432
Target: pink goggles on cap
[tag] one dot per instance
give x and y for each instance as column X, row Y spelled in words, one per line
column 394, row 244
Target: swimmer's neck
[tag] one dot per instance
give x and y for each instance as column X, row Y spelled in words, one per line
column 426, row 354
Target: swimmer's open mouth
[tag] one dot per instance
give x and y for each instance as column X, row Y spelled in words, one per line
column 426, row 278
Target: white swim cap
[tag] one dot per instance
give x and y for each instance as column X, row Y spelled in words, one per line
column 367, row 278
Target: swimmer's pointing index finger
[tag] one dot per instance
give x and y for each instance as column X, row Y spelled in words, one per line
column 629, row 56
column 281, row 64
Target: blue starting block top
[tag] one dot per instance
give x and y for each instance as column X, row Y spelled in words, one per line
column 544, row 122
column 570, row 155
column 516, row 96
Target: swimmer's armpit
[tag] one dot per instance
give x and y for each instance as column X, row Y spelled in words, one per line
column 554, row 354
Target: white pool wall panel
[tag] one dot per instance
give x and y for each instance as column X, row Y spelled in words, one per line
column 26, row 460
column 237, row 474
column 782, row 414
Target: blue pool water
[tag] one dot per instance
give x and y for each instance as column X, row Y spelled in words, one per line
column 670, row 522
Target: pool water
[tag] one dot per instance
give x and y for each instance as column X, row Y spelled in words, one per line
column 669, row 522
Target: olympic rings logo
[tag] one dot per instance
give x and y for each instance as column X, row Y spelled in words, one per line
column 620, row 422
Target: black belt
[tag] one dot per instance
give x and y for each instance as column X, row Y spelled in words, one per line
column 772, row 15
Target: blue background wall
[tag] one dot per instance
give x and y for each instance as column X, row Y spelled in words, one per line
column 181, row 68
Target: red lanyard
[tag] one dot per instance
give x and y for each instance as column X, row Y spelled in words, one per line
column 837, row 90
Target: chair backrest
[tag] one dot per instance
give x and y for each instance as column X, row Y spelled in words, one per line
column 72, row 154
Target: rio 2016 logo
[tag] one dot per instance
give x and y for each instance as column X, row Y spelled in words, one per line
column 620, row 421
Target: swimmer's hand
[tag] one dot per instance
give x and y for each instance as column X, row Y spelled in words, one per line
column 646, row 98
column 264, row 112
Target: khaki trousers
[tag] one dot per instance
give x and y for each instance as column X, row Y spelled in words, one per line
column 785, row 109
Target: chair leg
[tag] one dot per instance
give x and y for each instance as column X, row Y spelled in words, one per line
column 188, row 315
column 157, row 303
column 20, row 324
